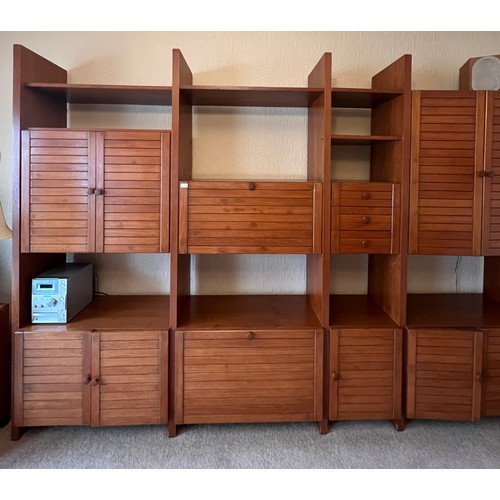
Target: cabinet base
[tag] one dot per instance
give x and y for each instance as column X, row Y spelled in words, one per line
column 399, row 425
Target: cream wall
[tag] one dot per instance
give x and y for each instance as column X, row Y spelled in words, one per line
column 235, row 143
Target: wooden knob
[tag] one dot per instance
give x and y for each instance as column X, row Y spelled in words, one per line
column 86, row 380
column 335, row 376
column 365, row 243
column 366, row 196
column 99, row 192
column 250, row 336
column 94, row 381
column 366, row 220
column 478, row 377
column 251, row 186
column 490, row 174
column 90, row 191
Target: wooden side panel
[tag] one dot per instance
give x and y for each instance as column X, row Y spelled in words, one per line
column 136, row 191
column 365, row 217
column 250, row 376
column 132, row 382
column 57, row 171
column 446, row 378
column 446, row 193
column 491, row 214
column 253, row 217
column 55, row 379
column 491, row 384
column 366, row 383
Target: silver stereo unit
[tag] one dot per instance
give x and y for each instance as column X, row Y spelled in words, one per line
column 59, row 294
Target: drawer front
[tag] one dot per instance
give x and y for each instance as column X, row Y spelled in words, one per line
column 250, row 217
column 132, row 386
column 51, row 379
column 365, row 218
column 444, row 374
column 248, row 376
column 366, row 374
column 491, row 384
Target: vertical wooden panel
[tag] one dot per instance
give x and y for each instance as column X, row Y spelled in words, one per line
column 164, row 379
column 317, row 217
column 478, row 376
column 318, row 374
column 17, row 372
column 25, row 193
column 398, row 375
column 165, row 194
column 179, row 378
column 335, row 215
column 86, row 378
column 411, row 365
column 334, row 373
column 183, row 216
column 95, row 179
column 414, row 173
column 481, row 184
column 396, row 219
column 95, row 382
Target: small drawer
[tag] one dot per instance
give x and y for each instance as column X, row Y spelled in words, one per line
column 363, row 194
column 365, row 222
column 349, row 244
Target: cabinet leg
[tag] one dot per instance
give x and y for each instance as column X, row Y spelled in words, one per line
column 399, row 425
column 16, row 432
column 323, row 427
column 172, row 430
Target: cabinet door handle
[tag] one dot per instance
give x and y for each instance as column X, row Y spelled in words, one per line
column 365, row 243
column 367, row 220
column 250, row 336
column 99, row 192
column 86, row 380
column 91, row 191
column 94, row 381
column 251, row 186
column 482, row 174
column 335, row 376
column 478, row 377
column 366, row 196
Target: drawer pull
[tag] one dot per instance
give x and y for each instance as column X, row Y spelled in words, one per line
column 94, row 381
column 335, row 376
column 90, row 191
column 251, row 186
column 366, row 196
column 365, row 243
column 250, row 336
column 86, row 380
column 366, row 220
column 478, row 377
column 99, row 192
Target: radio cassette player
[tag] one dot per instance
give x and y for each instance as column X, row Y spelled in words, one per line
column 59, row 294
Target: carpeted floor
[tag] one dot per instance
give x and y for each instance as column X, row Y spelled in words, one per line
column 424, row 444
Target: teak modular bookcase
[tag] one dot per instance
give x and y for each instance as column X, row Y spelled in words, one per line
column 319, row 357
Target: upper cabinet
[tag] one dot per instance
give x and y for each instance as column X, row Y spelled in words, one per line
column 455, row 173
column 95, row 191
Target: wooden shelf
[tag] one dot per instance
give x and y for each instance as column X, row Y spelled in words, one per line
column 269, row 97
column 127, row 312
column 449, row 310
column 361, row 98
column 358, row 311
column 107, row 94
column 208, row 312
column 362, row 140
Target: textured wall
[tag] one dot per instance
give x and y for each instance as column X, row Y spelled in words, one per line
column 231, row 143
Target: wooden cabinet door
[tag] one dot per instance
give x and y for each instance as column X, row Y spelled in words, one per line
column 250, row 217
column 447, row 172
column 58, row 211
column 129, row 378
column 133, row 193
column 491, row 379
column 491, row 211
column 365, row 374
column 248, row 376
column 444, row 374
column 52, row 375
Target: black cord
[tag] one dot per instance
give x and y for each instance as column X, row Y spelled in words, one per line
column 96, row 285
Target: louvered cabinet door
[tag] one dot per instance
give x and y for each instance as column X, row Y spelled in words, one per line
column 58, row 210
column 248, row 376
column 444, row 374
column 250, row 217
column 491, row 379
column 491, row 216
column 131, row 373
column 447, row 173
column 365, row 374
column 133, row 194
column 52, row 375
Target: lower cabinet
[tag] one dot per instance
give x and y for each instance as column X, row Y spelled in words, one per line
column 366, row 367
column 90, row 378
column 491, row 370
column 248, row 376
column 444, row 374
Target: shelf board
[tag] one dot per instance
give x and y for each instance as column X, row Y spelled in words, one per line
column 107, row 94
column 362, row 140
column 361, row 98
column 358, row 311
column 452, row 310
column 207, row 312
column 269, row 97
column 117, row 312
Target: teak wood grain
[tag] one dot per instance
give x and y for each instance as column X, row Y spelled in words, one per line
column 491, row 374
